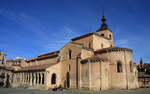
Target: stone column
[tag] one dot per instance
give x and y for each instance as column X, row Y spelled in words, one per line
column 37, row 78
column 25, row 78
column 30, row 79
column 22, row 78
column 34, row 81
column 45, row 80
column 19, row 77
column 41, row 78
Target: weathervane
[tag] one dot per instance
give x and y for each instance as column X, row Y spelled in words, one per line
column 103, row 10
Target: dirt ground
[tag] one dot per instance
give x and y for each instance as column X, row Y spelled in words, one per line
column 71, row 91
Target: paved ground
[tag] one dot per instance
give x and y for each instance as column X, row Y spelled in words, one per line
column 71, row 91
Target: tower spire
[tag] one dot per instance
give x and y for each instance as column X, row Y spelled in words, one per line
column 103, row 25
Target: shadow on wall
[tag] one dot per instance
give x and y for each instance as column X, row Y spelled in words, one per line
column 65, row 84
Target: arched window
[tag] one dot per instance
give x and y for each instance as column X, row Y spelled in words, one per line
column 36, row 78
column 90, row 44
column 102, row 34
column 42, row 78
column 101, row 45
column 119, row 66
column 53, row 79
column 69, row 67
column 109, row 36
column 131, row 67
column 29, row 78
column 33, row 78
column 39, row 78
column 69, row 54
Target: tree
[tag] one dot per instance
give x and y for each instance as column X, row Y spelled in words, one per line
column 68, row 80
column 7, row 81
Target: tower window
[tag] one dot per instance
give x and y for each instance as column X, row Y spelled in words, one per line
column 102, row 34
column 69, row 54
column 102, row 45
column 109, row 36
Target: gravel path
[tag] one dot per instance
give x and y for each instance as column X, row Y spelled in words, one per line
column 72, row 91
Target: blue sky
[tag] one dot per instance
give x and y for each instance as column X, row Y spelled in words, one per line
column 32, row 27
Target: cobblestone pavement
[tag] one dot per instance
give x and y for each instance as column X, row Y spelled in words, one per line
column 71, row 91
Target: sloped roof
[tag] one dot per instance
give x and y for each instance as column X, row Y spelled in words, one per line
column 7, row 68
column 143, row 74
column 39, row 67
column 93, row 58
column 89, row 34
column 47, row 54
column 44, row 56
column 14, row 60
column 111, row 48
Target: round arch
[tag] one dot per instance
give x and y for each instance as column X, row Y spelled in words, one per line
column 53, row 79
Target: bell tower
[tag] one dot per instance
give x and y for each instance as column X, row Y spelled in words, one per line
column 104, row 31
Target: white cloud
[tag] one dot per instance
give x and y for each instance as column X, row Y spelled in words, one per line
column 23, row 15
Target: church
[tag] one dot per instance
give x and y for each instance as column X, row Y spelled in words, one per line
column 90, row 61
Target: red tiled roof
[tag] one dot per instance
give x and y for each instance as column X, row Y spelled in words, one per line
column 86, row 35
column 92, row 58
column 39, row 67
column 47, row 54
column 134, row 63
column 7, row 68
column 143, row 74
column 111, row 48
column 14, row 60
column 42, row 57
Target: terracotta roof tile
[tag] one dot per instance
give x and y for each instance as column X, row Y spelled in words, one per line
column 7, row 68
column 143, row 74
column 92, row 58
column 39, row 67
column 111, row 48
column 42, row 57
column 47, row 54
column 89, row 34
column 14, row 60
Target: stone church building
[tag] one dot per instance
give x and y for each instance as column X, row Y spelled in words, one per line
column 91, row 60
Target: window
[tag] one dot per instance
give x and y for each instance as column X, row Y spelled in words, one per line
column 53, row 79
column 101, row 45
column 33, row 78
column 109, row 36
column 36, row 78
column 69, row 54
column 131, row 67
column 29, row 78
column 119, row 67
column 102, row 34
column 91, row 44
column 39, row 78
column 42, row 78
